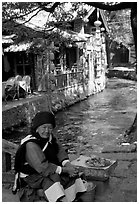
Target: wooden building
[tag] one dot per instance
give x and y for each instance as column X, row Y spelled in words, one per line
column 83, row 60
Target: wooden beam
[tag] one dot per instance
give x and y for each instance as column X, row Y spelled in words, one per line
column 6, row 161
column 9, row 147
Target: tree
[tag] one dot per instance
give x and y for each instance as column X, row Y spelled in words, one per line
column 121, row 6
column 22, row 13
column 119, row 26
column 18, row 10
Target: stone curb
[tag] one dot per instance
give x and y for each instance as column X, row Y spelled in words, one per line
column 120, row 148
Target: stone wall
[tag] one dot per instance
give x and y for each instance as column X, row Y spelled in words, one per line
column 122, row 72
column 68, row 96
column 23, row 111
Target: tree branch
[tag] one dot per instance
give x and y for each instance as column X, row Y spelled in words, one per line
column 45, row 8
column 20, row 16
column 119, row 6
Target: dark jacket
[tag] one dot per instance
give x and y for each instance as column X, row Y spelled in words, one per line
column 54, row 154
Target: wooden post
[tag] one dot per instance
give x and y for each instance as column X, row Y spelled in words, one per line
column 8, row 149
column 6, row 161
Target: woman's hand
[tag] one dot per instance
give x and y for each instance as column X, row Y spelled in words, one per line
column 70, row 169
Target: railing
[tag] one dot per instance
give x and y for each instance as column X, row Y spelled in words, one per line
column 8, row 152
column 68, row 79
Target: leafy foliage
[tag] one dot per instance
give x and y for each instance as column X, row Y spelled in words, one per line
column 120, row 26
column 68, row 11
column 15, row 10
column 119, row 20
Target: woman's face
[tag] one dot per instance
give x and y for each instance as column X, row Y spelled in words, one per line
column 45, row 130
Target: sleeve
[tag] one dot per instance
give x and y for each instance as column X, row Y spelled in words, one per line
column 59, row 170
column 62, row 154
column 65, row 162
column 36, row 159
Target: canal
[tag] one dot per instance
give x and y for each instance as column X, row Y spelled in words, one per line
column 91, row 125
column 87, row 127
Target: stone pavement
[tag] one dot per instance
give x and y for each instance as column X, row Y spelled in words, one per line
column 122, row 185
column 7, row 196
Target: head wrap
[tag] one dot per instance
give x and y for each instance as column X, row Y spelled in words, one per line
column 43, row 118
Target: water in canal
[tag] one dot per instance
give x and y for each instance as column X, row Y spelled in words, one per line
column 92, row 124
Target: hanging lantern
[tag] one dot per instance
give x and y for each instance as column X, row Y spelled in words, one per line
column 52, row 56
column 97, row 23
column 102, row 29
column 86, row 20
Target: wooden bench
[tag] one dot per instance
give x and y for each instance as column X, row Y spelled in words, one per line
column 8, row 151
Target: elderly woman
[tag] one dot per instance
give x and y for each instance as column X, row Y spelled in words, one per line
column 43, row 167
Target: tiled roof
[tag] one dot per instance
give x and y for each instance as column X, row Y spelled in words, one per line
column 24, row 46
column 18, row 47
